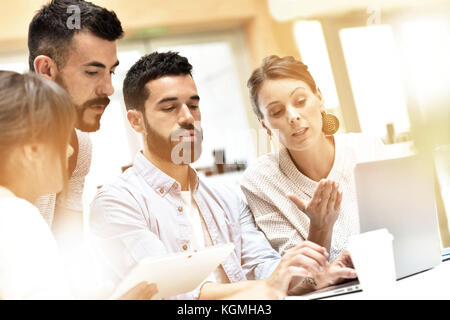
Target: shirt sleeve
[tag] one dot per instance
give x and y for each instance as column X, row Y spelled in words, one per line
column 277, row 229
column 258, row 257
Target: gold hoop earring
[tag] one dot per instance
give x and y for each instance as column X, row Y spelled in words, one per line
column 330, row 124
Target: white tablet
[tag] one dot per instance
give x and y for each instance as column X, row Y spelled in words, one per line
column 176, row 273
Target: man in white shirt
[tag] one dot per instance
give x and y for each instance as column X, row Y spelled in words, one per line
column 161, row 205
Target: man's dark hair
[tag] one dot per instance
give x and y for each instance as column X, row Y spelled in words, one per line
column 50, row 32
column 151, row 67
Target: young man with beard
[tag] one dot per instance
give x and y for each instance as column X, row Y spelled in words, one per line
column 81, row 58
column 73, row 42
column 161, row 205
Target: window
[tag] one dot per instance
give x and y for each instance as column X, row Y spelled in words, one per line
column 115, row 144
column 216, row 66
column 313, row 50
column 370, row 56
column 14, row 62
column 427, row 50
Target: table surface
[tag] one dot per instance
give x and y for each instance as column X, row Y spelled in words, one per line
column 433, row 284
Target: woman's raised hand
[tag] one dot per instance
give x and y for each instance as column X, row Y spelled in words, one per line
column 323, row 209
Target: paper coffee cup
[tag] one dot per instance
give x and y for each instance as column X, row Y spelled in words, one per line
column 373, row 257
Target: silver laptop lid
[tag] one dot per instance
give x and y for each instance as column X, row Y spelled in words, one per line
column 398, row 194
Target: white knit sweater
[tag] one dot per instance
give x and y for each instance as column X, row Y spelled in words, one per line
column 73, row 198
column 267, row 181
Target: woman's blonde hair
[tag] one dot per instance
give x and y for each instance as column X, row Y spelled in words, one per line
column 274, row 67
column 34, row 109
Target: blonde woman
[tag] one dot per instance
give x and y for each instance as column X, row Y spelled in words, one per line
column 305, row 190
column 36, row 120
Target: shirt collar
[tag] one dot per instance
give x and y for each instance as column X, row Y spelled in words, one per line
column 5, row 193
column 157, row 179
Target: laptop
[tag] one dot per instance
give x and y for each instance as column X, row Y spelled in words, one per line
column 397, row 194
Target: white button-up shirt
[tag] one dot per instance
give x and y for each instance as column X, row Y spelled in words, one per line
column 139, row 216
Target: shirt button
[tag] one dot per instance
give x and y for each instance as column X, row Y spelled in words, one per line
column 161, row 190
column 185, row 247
column 180, row 209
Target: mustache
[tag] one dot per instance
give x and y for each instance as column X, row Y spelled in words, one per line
column 182, row 131
column 103, row 101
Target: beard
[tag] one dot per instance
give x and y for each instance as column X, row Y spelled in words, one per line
column 174, row 149
column 81, row 124
column 95, row 125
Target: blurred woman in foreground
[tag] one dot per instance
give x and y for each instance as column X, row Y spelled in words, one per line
column 36, row 120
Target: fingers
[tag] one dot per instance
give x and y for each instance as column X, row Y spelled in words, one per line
column 311, row 260
column 295, row 271
column 311, row 245
column 323, row 193
column 316, row 203
column 145, row 291
column 317, row 195
column 301, row 260
column 281, row 278
column 331, row 199
column 324, row 206
column 139, row 287
column 345, row 273
column 338, row 201
column 142, row 291
column 347, row 259
column 134, row 293
column 327, row 190
column 333, row 196
column 308, row 255
column 149, row 291
column 301, row 205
